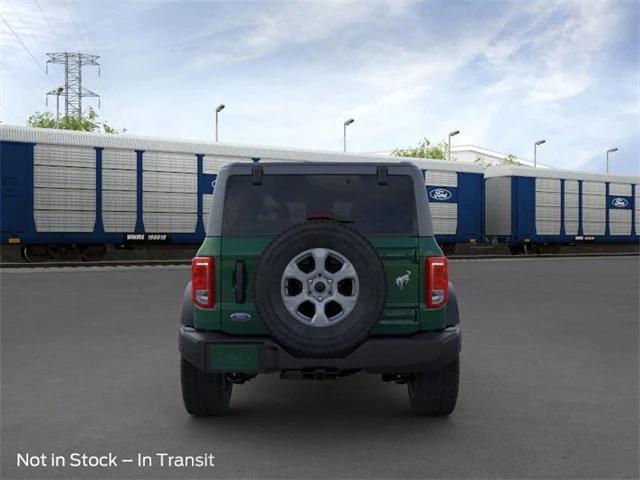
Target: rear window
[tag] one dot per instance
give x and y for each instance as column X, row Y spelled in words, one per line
column 285, row 200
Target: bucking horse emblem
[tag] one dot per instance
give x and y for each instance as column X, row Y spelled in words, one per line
column 402, row 280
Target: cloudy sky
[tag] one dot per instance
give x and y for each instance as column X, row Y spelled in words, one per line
column 504, row 73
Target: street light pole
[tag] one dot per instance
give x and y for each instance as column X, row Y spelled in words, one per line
column 451, row 134
column 344, row 132
column 535, row 152
column 59, row 91
column 611, row 150
column 218, row 110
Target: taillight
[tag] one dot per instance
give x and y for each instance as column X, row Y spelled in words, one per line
column 437, row 281
column 203, row 281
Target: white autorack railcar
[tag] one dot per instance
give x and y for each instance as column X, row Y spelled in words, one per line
column 534, row 209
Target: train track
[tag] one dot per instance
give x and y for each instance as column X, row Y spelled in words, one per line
column 178, row 262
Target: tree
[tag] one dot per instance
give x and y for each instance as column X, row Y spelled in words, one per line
column 510, row 159
column 424, row 150
column 88, row 123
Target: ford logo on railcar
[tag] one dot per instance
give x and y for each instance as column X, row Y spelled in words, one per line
column 440, row 194
column 619, row 202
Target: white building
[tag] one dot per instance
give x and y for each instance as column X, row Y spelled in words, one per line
column 471, row 154
column 479, row 155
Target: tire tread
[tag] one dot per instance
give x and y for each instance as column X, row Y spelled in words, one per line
column 435, row 393
column 204, row 395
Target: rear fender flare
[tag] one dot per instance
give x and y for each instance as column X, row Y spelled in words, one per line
column 453, row 313
column 186, row 312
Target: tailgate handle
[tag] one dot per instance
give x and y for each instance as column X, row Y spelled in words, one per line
column 413, row 256
column 240, row 282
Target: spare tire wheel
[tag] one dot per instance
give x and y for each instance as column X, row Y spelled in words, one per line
column 319, row 287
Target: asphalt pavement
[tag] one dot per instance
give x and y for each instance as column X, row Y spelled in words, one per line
column 549, row 383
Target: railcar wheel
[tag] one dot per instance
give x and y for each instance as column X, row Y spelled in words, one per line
column 448, row 248
column 548, row 249
column 39, row 253
column 92, row 253
column 516, row 249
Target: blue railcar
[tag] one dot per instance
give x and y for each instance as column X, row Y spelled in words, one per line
column 82, row 191
column 456, row 201
column 537, row 209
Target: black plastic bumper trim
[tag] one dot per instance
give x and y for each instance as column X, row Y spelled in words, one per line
column 421, row 351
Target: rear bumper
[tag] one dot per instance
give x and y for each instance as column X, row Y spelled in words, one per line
column 219, row 352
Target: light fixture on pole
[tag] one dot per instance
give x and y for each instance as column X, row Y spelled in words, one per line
column 59, row 91
column 218, row 110
column 451, row 134
column 611, row 150
column 535, row 152
column 346, row 122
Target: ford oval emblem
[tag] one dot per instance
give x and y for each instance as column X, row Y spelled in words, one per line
column 620, row 202
column 240, row 317
column 440, row 194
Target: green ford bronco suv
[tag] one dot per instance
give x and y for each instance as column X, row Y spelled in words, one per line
column 319, row 270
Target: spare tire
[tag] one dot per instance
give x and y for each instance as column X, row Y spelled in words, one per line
column 319, row 287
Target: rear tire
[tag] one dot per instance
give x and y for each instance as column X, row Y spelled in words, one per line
column 204, row 395
column 435, row 393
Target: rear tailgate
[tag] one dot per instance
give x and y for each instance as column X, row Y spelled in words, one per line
column 400, row 258
column 256, row 210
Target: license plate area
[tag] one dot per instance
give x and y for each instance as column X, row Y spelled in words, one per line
column 234, row 357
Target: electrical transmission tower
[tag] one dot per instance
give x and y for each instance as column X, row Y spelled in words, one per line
column 73, row 91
